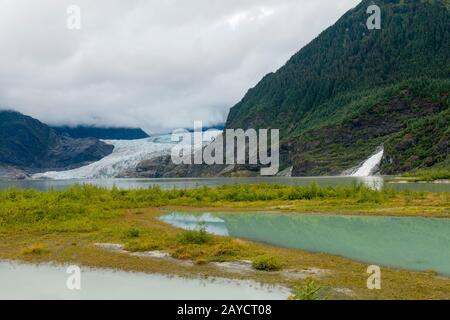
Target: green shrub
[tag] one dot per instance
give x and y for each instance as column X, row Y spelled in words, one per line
column 267, row 263
column 308, row 291
column 195, row 237
column 133, row 233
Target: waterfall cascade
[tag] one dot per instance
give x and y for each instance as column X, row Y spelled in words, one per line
column 370, row 165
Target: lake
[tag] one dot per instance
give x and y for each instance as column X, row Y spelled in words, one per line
column 44, row 282
column 410, row 243
column 184, row 183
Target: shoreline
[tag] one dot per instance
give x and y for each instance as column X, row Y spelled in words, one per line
column 343, row 276
column 402, row 180
column 64, row 226
column 298, row 209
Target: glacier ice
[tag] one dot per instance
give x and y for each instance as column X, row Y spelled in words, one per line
column 126, row 155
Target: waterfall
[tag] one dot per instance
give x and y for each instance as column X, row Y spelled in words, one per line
column 370, row 165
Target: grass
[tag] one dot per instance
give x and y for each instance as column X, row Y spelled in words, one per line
column 195, row 237
column 429, row 175
column 307, row 291
column 37, row 249
column 82, row 208
column 133, row 233
column 63, row 226
column 142, row 245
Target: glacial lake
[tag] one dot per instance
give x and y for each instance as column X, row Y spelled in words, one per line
column 45, row 282
column 186, row 183
column 408, row 243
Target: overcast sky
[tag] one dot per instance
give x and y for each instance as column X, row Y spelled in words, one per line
column 155, row 64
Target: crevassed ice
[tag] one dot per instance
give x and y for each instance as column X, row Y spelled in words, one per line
column 126, row 155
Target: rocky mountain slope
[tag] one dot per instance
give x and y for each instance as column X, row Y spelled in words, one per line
column 102, row 133
column 29, row 145
column 409, row 120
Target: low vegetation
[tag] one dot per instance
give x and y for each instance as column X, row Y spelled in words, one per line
column 64, row 226
column 267, row 263
column 429, row 175
column 309, row 290
column 195, row 237
column 82, row 208
column 133, row 233
column 37, row 249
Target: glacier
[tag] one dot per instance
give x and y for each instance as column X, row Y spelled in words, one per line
column 127, row 154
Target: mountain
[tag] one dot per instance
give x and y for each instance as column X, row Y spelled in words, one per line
column 28, row 144
column 352, row 90
column 102, row 133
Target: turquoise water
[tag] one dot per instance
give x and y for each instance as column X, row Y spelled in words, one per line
column 212, row 224
column 410, row 243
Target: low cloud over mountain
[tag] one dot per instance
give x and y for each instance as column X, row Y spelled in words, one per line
column 151, row 64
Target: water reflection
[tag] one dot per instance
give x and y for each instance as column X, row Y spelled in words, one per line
column 374, row 182
column 210, row 223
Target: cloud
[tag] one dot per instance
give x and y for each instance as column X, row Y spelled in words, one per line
column 153, row 64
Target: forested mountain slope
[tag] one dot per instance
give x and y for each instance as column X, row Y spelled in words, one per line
column 352, row 90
